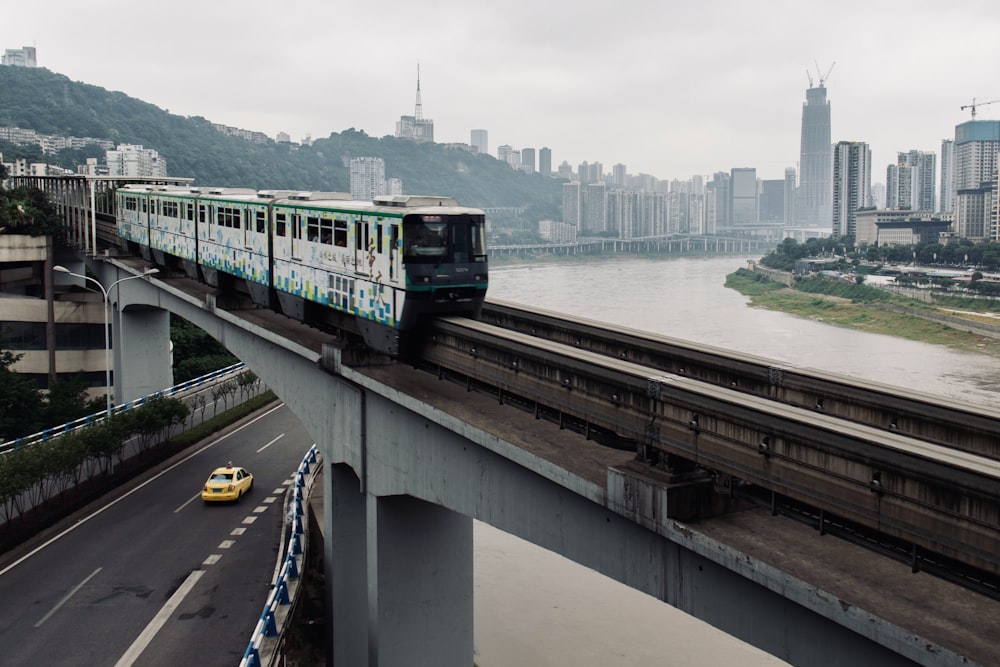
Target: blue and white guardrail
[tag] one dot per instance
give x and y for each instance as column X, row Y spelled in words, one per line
column 265, row 641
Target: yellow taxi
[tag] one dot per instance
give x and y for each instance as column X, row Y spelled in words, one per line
column 227, row 483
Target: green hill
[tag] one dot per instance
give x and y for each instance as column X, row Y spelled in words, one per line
column 49, row 103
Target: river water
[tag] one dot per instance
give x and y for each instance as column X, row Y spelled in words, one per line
column 536, row 608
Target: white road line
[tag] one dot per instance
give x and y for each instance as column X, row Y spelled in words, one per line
column 260, row 509
column 146, row 636
column 212, row 560
column 269, row 500
column 188, row 502
column 126, row 495
column 271, row 443
column 66, row 597
column 238, row 531
column 226, row 544
column 250, row 519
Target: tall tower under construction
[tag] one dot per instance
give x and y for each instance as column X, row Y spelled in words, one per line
column 814, row 202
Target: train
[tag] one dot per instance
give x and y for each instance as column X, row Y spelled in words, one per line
column 380, row 269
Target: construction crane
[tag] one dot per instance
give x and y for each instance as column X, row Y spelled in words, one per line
column 822, row 77
column 977, row 104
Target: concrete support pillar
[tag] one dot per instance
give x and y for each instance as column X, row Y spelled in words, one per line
column 141, row 347
column 409, row 564
column 420, row 589
column 345, row 566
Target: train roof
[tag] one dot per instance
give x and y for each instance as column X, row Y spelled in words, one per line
column 389, row 205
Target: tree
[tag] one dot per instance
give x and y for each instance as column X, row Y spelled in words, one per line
column 20, row 400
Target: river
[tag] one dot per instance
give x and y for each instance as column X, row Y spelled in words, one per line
column 536, row 608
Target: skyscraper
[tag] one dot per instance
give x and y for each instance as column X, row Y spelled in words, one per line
column 743, row 196
column 974, row 163
column 852, row 184
column 946, row 202
column 528, row 160
column 545, row 161
column 481, row 142
column 815, row 186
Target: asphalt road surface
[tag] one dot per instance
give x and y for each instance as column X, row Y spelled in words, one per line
column 150, row 575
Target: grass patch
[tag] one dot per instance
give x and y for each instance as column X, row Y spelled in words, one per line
column 861, row 315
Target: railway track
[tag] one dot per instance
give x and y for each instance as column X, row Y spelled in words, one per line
column 954, row 424
column 913, row 491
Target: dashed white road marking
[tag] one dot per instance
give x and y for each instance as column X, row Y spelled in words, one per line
column 250, row 519
column 238, row 531
column 212, row 560
column 271, row 443
column 226, row 544
column 143, row 640
column 66, row 597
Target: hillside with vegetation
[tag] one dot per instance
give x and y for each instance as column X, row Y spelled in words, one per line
column 49, row 103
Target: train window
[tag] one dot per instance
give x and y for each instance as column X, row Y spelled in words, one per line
column 312, row 230
column 201, row 213
column 145, row 205
column 190, row 211
column 280, row 224
column 261, row 222
column 326, row 231
column 340, row 233
column 426, row 241
column 170, row 209
column 296, row 226
column 378, row 236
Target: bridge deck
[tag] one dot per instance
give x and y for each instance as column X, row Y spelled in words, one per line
column 924, row 605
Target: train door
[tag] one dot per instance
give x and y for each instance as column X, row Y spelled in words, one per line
column 394, row 254
column 296, row 237
column 361, row 237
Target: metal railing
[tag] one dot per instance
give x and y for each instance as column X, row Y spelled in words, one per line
column 265, row 642
column 97, row 417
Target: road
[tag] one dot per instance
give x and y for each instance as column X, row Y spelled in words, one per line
column 151, row 575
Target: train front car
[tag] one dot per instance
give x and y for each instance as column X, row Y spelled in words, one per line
column 444, row 259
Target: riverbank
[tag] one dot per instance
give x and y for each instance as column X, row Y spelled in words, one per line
column 903, row 318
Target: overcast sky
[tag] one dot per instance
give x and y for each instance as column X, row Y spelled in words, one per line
column 667, row 88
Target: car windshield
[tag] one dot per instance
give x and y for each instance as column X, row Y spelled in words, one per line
column 222, row 477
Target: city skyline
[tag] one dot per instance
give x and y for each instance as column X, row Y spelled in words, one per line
column 665, row 93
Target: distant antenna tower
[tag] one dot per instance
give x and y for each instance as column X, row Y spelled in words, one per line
column 418, row 112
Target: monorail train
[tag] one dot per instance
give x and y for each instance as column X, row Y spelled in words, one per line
column 382, row 266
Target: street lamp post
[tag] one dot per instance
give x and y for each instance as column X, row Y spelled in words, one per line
column 107, row 306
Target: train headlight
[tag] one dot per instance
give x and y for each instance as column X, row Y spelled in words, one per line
column 427, row 280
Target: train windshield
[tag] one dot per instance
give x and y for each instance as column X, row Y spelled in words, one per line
column 444, row 238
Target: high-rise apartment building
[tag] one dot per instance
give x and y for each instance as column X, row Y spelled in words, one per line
column 416, row 127
column 480, row 141
column 23, row 57
column 815, row 186
column 503, row 153
column 594, row 208
column 133, row 160
column 974, row 164
column 367, row 178
column 545, row 161
column 910, row 183
column 946, row 202
column 571, row 203
column 790, row 191
column 852, row 183
column 619, row 175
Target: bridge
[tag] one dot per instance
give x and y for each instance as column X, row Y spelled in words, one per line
column 673, row 471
